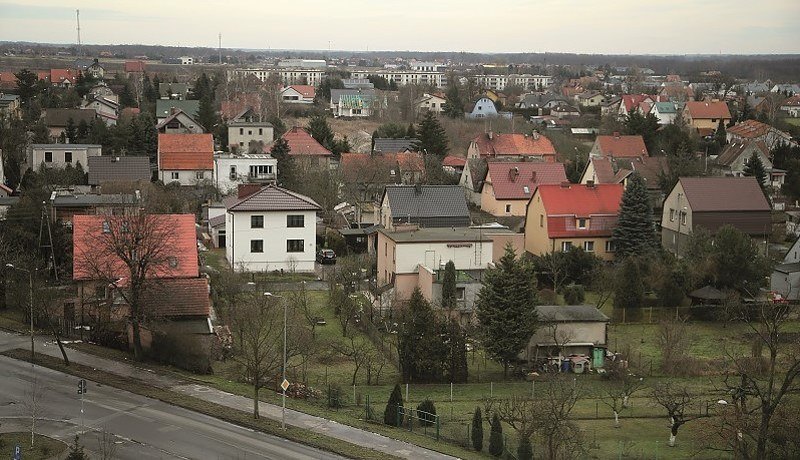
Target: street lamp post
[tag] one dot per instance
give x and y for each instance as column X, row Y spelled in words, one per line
column 283, row 398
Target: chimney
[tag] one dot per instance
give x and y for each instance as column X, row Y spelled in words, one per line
column 616, row 134
column 490, row 135
column 565, row 184
column 533, row 176
column 245, row 190
column 173, row 110
column 589, row 184
column 418, row 188
column 513, row 173
column 535, row 135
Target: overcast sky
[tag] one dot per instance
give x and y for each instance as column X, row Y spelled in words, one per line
column 581, row 26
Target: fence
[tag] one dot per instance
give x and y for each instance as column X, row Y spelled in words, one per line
column 410, row 419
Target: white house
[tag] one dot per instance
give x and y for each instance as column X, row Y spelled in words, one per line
column 271, row 229
column 298, row 94
column 107, row 109
column 61, row 155
column 230, row 170
column 185, row 158
column 483, row 108
column 179, row 122
column 430, row 103
column 665, row 112
column 187, row 60
column 785, row 279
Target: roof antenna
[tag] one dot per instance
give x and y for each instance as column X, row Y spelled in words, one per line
column 78, row 18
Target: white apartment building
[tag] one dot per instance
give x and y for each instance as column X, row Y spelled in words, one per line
column 288, row 76
column 303, row 63
column 424, row 66
column 525, row 81
column 61, row 155
column 405, row 77
column 271, row 229
column 231, row 170
column 187, row 60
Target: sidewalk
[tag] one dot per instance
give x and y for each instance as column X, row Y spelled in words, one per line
column 313, row 423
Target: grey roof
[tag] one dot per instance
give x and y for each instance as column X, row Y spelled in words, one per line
column 112, row 168
column 388, row 145
column 94, row 200
column 217, row 221
column 65, row 146
column 567, row 313
column 164, row 89
column 437, row 205
column 450, row 234
column 337, row 93
column 274, row 198
column 59, row 117
column 707, row 292
column 164, row 105
column 353, row 83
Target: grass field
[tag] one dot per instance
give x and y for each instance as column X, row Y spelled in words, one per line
column 43, row 447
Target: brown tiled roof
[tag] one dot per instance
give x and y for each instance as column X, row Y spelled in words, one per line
column 454, row 161
column 301, row 143
column 307, row 91
column 749, row 129
column 184, row 152
column 733, row 150
column 497, row 144
column 274, row 198
column 134, row 66
column 178, row 298
column 234, row 106
column 510, row 179
column 724, row 194
column 703, row 109
column 622, row 146
column 353, row 165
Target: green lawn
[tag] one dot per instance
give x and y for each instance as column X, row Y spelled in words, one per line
column 43, row 447
column 792, row 121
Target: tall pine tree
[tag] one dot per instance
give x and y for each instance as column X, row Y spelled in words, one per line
column 496, row 437
column 477, row 430
column 449, row 286
column 720, row 135
column 286, row 169
column 432, row 138
column 420, row 346
column 390, row 415
column 506, row 308
column 754, row 167
column 635, row 230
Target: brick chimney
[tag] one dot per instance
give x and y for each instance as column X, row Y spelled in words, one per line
column 245, row 190
column 513, row 173
column 616, row 134
column 533, row 176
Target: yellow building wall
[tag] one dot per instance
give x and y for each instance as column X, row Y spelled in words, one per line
column 498, row 207
column 536, row 240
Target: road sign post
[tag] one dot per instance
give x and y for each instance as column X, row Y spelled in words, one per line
column 17, row 452
column 82, row 391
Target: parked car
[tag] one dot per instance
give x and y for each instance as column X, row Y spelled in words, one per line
column 326, row 256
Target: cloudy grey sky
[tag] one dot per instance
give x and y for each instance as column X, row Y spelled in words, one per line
column 586, row 26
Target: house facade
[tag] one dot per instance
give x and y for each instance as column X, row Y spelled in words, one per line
column 509, row 185
column 482, row 108
column 785, row 278
column 306, row 151
column 735, row 155
column 566, row 330
column 430, row 103
column 271, row 229
column 426, row 206
column 179, row 122
column 710, row 203
column 512, row 146
column 665, row 112
column 187, row 159
column 62, row 155
column 705, row 116
column 298, row 94
column 231, row 170
column 566, row 216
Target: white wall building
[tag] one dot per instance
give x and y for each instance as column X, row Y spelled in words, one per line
column 187, row 60
column 272, row 229
column 231, row 170
column 526, row 81
column 303, row 63
column 61, row 155
column 288, row 76
column 241, row 133
column 405, row 77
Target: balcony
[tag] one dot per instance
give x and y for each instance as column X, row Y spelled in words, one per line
column 262, row 177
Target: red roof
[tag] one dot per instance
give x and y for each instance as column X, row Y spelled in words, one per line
column 94, row 257
column 792, row 101
column 510, row 180
column 57, row 76
column 185, row 152
column 749, row 129
column 454, row 161
column 301, row 143
column 495, row 144
column 703, row 109
column 134, row 66
column 565, row 203
column 621, row 146
column 306, row 91
column 179, row 297
column 633, row 101
column 359, row 166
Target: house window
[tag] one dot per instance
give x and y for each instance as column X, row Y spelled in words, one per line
column 582, row 223
column 295, row 221
column 713, row 120
column 588, row 246
column 610, row 246
column 48, row 157
column 67, row 157
column 256, row 221
column 256, row 245
column 460, row 293
column 249, row 132
column 672, row 215
column 241, row 131
column 566, row 246
column 295, row 245
column 541, row 220
column 508, row 208
column 175, row 176
column 260, row 131
column 241, row 144
column 200, row 174
column 683, row 218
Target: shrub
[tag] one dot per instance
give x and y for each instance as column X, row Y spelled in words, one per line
column 524, row 450
column 395, row 402
column 548, row 296
column 574, row 294
column 496, row 437
column 477, row 430
column 426, row 411
column 335, row 396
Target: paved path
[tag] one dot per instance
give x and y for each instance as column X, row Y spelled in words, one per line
column 295, row 418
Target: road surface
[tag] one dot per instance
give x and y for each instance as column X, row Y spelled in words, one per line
column 142, row 428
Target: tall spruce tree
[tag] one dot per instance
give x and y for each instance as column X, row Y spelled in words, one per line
column 629, row 288
column 754, row 167
column 320, row 130
column 635, row 230
column 449, row 286
column 420, row 346
column 456, row 366
column 477, row 430
column 720, row 135
column 506, row 308
column 206, row 115
column 496, row 437
column 390, row 415
column 432, row 138
column 454, row 105
column 286, row 169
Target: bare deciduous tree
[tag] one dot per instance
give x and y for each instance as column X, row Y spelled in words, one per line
column 676, row 400
column 617, row 397
column 674, row 342
column 106, row 445
column 359, row 351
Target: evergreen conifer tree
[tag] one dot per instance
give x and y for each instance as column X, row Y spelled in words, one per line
column 454, row 105
column 286, row 170
column 390, row 415
column 449, row 286
column 496, row 437
column 506, row 308
column 635, row 230
column 477, row 430
column 456, row 365
column 629, row 289
column 432, row 136
column 411, row 132
column 320, row 130
column 76, row 451
column 420, row 347
column 71, row 131
column 206, row 115
column 524, row 449
column 754, row 167
column 720, row 135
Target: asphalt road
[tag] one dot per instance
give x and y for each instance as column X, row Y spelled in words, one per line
column 142, row 428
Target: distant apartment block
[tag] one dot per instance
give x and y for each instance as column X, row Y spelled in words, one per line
column 288, row 76
column 527, row 82
column 405, row 77
column 303, row 63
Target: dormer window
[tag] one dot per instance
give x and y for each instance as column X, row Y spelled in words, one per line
column 582, row 223
column 173, row 262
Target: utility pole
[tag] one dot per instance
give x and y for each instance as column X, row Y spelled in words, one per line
column 220, row 48
column 78, row 17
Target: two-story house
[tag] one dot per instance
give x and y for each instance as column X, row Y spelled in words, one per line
column 57, row 120
column 166, row 107
column 735, row 155
column 246, row 128
column 508, row 186
column 62, row 155
column 430, row 103
column 566, row 216
column 426, row 206
column 619, row 146
column 185, row 158
column 512, row 146
column 306, row 151
column 271, row 228
column 482, row 108
column 179, row 122
column 705, row 116
column 752, row 130
column 231, row 170
column 665, row 112
column 710, row 203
